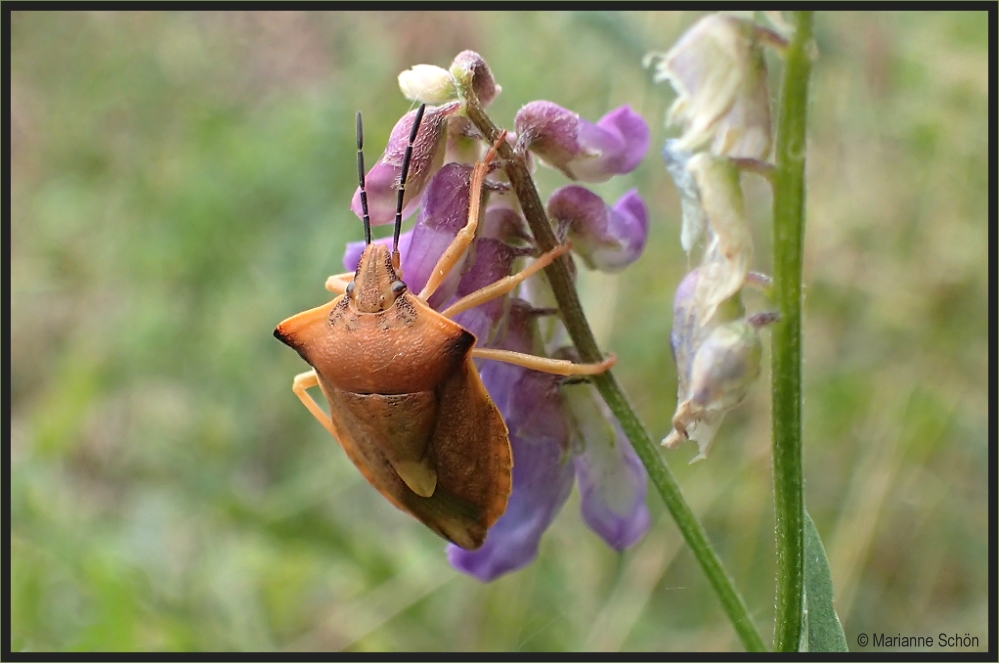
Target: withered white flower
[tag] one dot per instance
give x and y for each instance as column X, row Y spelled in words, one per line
column 720, row 76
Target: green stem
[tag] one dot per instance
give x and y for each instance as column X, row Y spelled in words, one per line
column 789, row 230
column 579, row 330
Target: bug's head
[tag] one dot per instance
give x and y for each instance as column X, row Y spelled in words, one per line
column 376, row 283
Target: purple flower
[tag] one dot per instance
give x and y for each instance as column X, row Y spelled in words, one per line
column 606, row 238
column 612, row 480
column 580, row 149
column 492, row 261
column 382, row 181
column 531, row 405
column 558, row 432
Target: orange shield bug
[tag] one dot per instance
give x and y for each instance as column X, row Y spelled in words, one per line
column 405, row 399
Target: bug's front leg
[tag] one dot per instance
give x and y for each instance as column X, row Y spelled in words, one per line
column 460, row 243
column 301, row 384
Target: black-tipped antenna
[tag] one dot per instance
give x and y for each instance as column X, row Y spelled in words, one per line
column 402, row 178
column 360, row 178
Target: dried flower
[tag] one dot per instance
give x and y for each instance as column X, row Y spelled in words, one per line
column 720, row 76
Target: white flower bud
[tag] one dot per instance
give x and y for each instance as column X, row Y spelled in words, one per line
column 428, row 84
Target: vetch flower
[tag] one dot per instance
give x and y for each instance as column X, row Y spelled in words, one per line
column 582, row 150
column 531, row 405
column 720, row 76
column 382, row 181
column 608, row 238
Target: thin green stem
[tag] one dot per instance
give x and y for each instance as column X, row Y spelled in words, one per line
column 789, row 231
column 579, row 330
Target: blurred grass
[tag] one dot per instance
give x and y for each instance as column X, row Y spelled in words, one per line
column 180, row 184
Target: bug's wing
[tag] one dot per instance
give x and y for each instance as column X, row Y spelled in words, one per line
column 401, row 426
column 472, row 446
column 469, row 450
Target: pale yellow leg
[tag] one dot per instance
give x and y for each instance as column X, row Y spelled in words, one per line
column 460, row 243
column 338, row 282
column 303, row 382
column 545, row 364
column 504, row 285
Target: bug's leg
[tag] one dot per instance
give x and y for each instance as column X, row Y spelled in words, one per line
column 460, row 243
column 303, row 382
column 338, row 282
column 504, row 285
column 545, row 364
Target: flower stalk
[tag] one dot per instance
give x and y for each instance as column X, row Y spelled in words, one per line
column 789, row 227
column 586, row 345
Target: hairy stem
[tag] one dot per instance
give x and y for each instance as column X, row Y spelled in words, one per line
column 789, row 231
column 579, row 330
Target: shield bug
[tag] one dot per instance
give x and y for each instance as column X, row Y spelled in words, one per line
column 405, row 399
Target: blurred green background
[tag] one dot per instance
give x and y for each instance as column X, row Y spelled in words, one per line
column 180, row 183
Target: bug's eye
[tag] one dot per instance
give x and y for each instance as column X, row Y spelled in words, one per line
column 350, row 288
column 398, row 287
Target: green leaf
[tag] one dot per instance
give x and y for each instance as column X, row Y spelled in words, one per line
column 820, row 627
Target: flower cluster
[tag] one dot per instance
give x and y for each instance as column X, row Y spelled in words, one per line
column 723, row 109
column 559, row 432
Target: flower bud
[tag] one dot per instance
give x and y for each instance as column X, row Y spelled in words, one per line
column 382, row 181
column 606, row 238
column 472, row 74
column 720, row 76
column 427, row 84
column 580, row 149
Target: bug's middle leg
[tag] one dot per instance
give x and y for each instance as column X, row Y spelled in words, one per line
column 545, row 364
column 460, row 243
column 504, row 285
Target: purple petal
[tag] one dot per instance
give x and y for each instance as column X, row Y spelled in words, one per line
column 612, row 484
column 500, row 377
column 634, row 133
column 382, row 181
column 612, row 480
column 619, row 140
column 493, row 260
column 352, row 254
column 607, row 238
column 444, row 213
column 542, row 482
column 583, row 150
column 551, row 132
column 532, row 406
